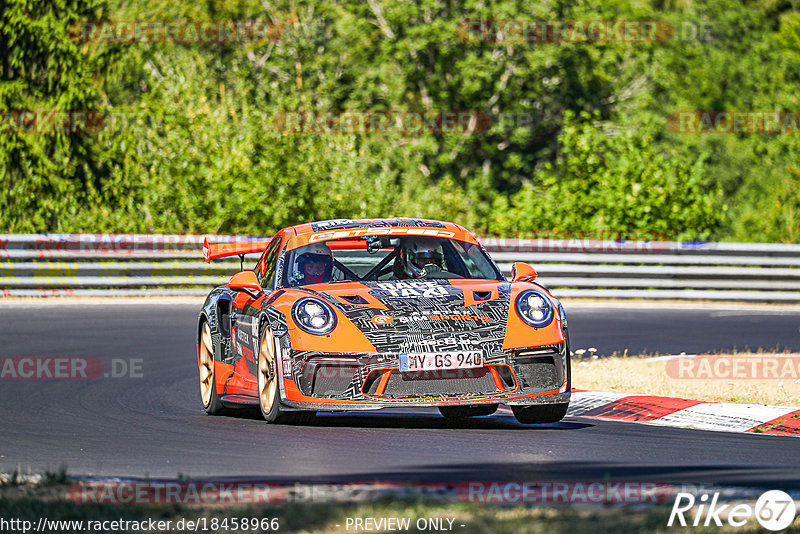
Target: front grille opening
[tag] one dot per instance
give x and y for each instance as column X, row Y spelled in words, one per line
column 455, row 383
column 537, row 372
column 371, row 383
column 506, row 376
column 322, row 378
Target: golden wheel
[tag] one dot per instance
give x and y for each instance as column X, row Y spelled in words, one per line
column 268, row 380
column 208, row 390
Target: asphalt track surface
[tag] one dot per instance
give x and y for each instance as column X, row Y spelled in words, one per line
column 154, row 426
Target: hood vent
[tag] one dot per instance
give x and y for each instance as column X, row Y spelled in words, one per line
column 354, row 299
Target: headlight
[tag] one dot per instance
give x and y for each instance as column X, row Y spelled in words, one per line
column 314, row 316
column 534, row 308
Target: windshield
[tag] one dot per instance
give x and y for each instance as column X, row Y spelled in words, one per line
column 379, row 258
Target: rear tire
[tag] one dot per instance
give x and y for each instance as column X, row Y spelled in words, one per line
column 268, row 386
column 462, row 412
column 212, row 403
column 540, row 413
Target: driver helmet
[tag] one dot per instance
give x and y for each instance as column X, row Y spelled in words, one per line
column 315, row 263
column 421, row 256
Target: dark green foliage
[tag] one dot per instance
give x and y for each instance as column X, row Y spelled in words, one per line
column 578, row 142
column 601, row 181
column 45, row 178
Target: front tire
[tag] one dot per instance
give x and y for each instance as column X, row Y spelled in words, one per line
column 540, row 413
column 268, row 387
column 462, row 412
column 212, row 403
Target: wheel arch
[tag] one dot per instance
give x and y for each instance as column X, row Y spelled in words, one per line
column 265, row 321
column 202, row 318
column 210, row 313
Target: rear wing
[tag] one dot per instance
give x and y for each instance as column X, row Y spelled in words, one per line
column 213, row 251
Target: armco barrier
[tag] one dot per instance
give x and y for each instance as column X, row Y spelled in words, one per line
column 119, row 265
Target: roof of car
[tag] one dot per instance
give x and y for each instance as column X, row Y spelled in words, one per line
column 399, row 226
column 339, row 224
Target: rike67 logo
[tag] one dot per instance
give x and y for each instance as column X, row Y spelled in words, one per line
column 774, row 510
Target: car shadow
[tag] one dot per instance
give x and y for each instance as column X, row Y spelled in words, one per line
column 415, row 419
column 492, row 422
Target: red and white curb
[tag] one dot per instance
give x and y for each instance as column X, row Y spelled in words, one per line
column 685, row 413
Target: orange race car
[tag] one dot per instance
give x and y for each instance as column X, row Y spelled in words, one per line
column 366, row 314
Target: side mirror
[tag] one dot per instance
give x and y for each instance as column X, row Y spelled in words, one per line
column 522, row 271
column 246, row 281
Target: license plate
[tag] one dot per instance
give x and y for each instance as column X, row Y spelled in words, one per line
column 441, row 361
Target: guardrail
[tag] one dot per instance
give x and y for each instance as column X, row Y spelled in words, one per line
column 132, row 265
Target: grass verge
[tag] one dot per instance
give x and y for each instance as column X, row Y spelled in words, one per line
column 656, row 376
column 332, row 518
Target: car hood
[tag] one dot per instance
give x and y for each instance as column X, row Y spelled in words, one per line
column 420, row 315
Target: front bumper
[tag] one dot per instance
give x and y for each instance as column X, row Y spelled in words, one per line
column 319, row 381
